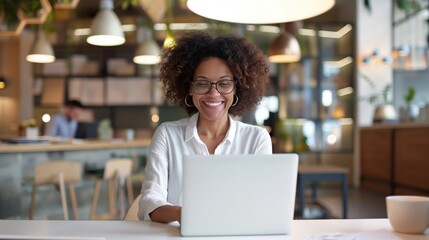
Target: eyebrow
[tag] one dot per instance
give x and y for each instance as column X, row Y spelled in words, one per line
column 221, row 78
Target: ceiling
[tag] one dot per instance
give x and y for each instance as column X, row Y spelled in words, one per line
column 89, row 8
column 82, row 16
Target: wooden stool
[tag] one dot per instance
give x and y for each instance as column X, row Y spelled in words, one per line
column 57, row 173
column 133, row 210
column 116, row 171
column 321, row 173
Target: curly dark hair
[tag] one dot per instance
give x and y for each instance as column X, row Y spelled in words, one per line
column 246, row 62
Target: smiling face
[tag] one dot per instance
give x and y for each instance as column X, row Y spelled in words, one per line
column 213, row 105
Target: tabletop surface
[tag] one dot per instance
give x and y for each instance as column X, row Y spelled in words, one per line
column 356, row 229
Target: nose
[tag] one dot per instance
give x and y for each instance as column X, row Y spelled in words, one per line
column 213, row 89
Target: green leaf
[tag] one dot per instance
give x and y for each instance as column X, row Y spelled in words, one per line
column 367, row 4
column 403, row 4
column 410, row 95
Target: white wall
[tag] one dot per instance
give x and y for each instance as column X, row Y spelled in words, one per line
column 374, row 31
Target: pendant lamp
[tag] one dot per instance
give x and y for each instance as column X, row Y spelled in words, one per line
column 2, row 83
column 41, row 51
column 106, row 29
column 285, row 48
column 259, row 11
column 148, row 52
column 169, row 41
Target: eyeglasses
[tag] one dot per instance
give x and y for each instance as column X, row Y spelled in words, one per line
column 222, row 86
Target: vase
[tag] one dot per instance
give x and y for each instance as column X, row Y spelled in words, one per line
column 385, row 113
column 31, row 132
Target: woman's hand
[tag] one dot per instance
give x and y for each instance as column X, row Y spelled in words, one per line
column 166, row 214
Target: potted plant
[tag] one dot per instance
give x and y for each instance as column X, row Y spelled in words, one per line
column 384, row 110
column 409, row 112
column 409, row 97
column 31, row 129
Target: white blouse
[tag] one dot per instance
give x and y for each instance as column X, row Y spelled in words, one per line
column 172, row 140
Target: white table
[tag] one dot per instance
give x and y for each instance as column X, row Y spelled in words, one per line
column 355, row 229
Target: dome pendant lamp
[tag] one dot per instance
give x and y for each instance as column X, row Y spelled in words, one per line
column 259, row 11
column 148, row 53
column 285, row 48
column 106, row 29
column 41, row 51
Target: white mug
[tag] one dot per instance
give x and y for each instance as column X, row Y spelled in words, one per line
column 408, row 214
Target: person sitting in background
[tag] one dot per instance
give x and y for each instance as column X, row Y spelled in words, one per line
column 65, row 124
column 211, row 78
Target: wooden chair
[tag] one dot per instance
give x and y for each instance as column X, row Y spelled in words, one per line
column 116, row 171
column 133, row 210
column 57, row 173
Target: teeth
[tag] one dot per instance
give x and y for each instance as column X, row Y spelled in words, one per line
column 213, row 104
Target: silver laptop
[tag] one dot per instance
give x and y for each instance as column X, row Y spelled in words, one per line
column 238, row 194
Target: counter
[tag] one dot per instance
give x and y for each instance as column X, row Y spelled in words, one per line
column 17, row 162
column 396, row 125
column 73, row 145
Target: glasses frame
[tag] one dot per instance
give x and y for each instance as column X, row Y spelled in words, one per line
column 215, row 84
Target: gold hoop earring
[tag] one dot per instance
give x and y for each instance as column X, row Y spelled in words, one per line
column 235, row 103
column 186, row 102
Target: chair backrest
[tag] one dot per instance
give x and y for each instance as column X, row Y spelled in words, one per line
column 133, row 210
column 121, row 166
column 49, row 172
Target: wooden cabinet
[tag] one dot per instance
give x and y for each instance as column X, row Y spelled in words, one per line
column 411, row 163
column 395, row 159
column 376, row 155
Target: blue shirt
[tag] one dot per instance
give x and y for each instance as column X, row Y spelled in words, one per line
column 60, row 126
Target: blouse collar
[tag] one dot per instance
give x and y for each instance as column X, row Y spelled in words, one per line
column 191, row 129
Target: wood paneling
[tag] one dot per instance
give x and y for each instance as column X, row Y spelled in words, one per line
column 376, row 154
column 395, row 158
column 411, row 161
column 407, row 191
column 10, row 96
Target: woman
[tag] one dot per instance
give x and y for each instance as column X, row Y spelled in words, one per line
column 212, row 78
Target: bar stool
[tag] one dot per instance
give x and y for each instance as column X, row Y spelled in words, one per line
column 116, row 171
column 57, row 173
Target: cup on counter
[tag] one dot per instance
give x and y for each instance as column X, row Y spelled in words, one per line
column 129, row 134
column 408, row 214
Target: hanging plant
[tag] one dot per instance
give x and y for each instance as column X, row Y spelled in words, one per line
column 404, row 5
column 9, row 9
column 125, row 4
column 8, row 12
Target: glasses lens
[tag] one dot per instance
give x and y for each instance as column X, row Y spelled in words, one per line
column 202, row 86
column 225, row 86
